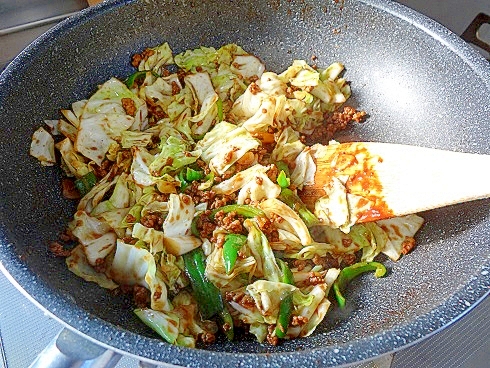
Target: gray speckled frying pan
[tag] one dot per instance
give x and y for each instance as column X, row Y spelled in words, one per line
column 419, row 83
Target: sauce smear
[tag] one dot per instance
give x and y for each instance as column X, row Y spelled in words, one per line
column 355, row 166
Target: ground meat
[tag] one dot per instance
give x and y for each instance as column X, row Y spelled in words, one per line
column 218, row 239
column 254, row 88
column 103, row 169
column 407, row 245
column 67, row 236
column 100, row 265
column 59, row 249
column 263, row 155
column 130, row 218
column 334, row 122
column 209, row 196
column 272, row 173
column 326, row 262
column 222, row 200
column 123, row 289
column 141, row 296
column 129, row 106
column 290, row 91
column 227, row 327
column 129, row 240
column 230, row 221
column 315, row 278
column 299, row 321
column 349, row 259
column 268, row 228
column 175, row 88
column 155, row 112
column 271, row 337
column 227, row 174
column 203, row 166
column 68, row 189
column 241, row 298
column 346, row 242
column 152, row 220
column 137, row 58
column 207, row 338
column 205, row 226
column 199, row 196
column 275, row 218
column 163, row 197
column 301, row 264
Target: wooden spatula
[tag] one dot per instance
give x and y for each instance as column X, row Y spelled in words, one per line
column 395, row 180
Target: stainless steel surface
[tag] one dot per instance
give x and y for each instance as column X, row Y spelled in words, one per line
column 464, row 344
column 462, row 323
column 456, row 15
column 70, row 350
column 26, row 331
column 18, row 12
column 453, row 14
column 21, row 21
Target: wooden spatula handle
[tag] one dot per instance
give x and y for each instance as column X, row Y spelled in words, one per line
column 418, row 178
column 396, row 179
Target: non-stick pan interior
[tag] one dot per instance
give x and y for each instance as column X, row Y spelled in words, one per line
column 418, row 82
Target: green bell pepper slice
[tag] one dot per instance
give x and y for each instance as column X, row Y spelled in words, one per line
column 349, row 273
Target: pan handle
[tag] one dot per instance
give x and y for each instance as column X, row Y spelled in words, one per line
column 70, row 350
column 470, row 34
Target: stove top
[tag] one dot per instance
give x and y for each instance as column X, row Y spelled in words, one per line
column 25, row 331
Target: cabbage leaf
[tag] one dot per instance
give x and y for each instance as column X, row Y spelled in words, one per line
column 42, row 147
column 225, row 144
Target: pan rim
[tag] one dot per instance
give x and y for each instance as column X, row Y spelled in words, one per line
column 134, row 344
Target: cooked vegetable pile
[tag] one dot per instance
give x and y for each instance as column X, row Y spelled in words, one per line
column 188, row 177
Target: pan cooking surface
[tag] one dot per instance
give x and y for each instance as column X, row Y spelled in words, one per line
column 419, row 83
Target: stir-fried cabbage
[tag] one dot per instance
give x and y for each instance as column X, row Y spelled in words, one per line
column 42, row 147
column 104, row 118
column 189, row 173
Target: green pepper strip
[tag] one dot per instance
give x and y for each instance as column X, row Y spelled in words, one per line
column 183, row 182
column 351, row 272
column 205, row 292
column 219, row 105
column 227, row 323
column 293, row 201
column 137, row 75
column 194, row 228
column 240, row 209
column 286, row 305
column 188, row 175
column 233, row 243
column 192, row 175
column 207, row 295
column 85, row 183
column 283, row 180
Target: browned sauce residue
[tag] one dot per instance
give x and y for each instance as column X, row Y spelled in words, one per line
column 352, row 160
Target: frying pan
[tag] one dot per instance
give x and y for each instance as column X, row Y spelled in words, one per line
column 419, row 83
